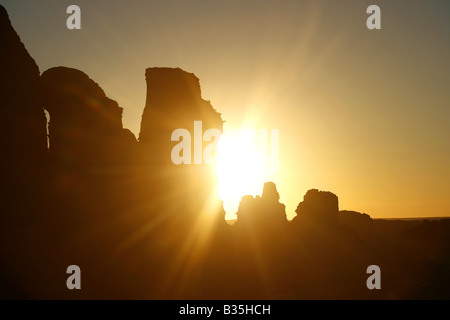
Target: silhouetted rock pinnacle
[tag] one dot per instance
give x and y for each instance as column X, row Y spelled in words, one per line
column 264, row 212
column 174, row 102
column 22, row 124
column 23, row 136
column 270, row 192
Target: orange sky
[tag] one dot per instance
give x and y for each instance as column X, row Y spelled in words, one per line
column 364, row 114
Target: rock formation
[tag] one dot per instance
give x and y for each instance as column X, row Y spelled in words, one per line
column 264, row 212
column 23, row 151
column 273, row 211
column 22, row 124
column 319, row 208
column 362, row 223
column 85, row 129
column 23, row 137
column 248, row 209
column 174, row 102
column 90, row 154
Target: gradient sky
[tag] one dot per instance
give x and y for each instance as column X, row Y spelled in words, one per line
column 364, row 114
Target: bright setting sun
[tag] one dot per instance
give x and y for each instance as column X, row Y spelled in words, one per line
column 243, row 165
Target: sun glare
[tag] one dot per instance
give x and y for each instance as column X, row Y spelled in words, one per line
column 240, row 168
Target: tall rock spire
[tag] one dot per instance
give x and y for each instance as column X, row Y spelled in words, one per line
column 23, row 134
column 174, row 102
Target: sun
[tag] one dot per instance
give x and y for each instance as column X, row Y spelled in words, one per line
column 239, row 168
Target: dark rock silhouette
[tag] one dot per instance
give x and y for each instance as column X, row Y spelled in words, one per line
column 85, row 128
column 90, row 154
column 248, row 207
column 270, row 192
column 360, row 222
column 174, row 102
column 263, row 211
column 23, row 136
column 272, row 208
column 23, row 151
column 319, row 208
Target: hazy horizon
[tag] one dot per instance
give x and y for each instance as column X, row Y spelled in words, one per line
column 361, row 113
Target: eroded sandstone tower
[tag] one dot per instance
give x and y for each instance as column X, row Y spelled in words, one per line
column 174, row 101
